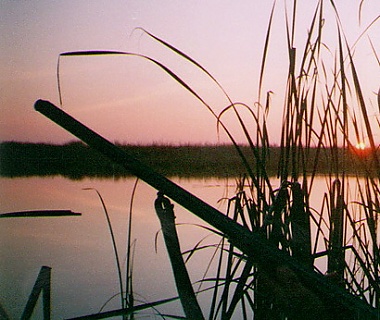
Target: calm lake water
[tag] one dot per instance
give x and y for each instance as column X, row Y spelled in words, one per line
column 79, row 249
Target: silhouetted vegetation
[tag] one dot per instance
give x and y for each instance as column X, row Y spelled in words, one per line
column 75, row 160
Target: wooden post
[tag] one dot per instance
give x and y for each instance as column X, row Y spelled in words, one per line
column 336, row 258
column 165, row 213
column 301, row 233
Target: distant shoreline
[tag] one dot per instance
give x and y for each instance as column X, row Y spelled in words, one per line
column 76, row 161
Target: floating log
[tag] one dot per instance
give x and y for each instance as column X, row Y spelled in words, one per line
column 39, row 213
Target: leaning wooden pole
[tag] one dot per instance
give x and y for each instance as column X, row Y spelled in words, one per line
column 252, row 244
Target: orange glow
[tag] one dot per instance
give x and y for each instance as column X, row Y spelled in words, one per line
column 362, row 149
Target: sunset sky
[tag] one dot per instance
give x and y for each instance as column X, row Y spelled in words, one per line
column 131, row 100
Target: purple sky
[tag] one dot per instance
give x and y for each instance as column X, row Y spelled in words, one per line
column 128, row 99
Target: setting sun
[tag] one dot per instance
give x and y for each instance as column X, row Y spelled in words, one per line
column 362, row 149
column 360, row 146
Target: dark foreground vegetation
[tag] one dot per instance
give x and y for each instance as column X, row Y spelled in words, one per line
column 75, row 160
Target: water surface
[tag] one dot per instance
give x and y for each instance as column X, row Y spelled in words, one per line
column 79, row 249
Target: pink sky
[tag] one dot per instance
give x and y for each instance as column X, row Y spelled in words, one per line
column 130, row 100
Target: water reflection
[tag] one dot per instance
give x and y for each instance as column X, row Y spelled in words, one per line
column 79, row 249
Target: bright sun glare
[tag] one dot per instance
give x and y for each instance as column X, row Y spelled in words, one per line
column 360, row 146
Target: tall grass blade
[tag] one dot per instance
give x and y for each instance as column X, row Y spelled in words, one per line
column 129, row 259
column 363, row 109
column 113, row 245
column 265, row 51
column 127, row 311
column 374, row 51
column 187, row 57
column 360, row 11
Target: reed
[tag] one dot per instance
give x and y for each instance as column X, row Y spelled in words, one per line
column 114, row 246
column 318, row 115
